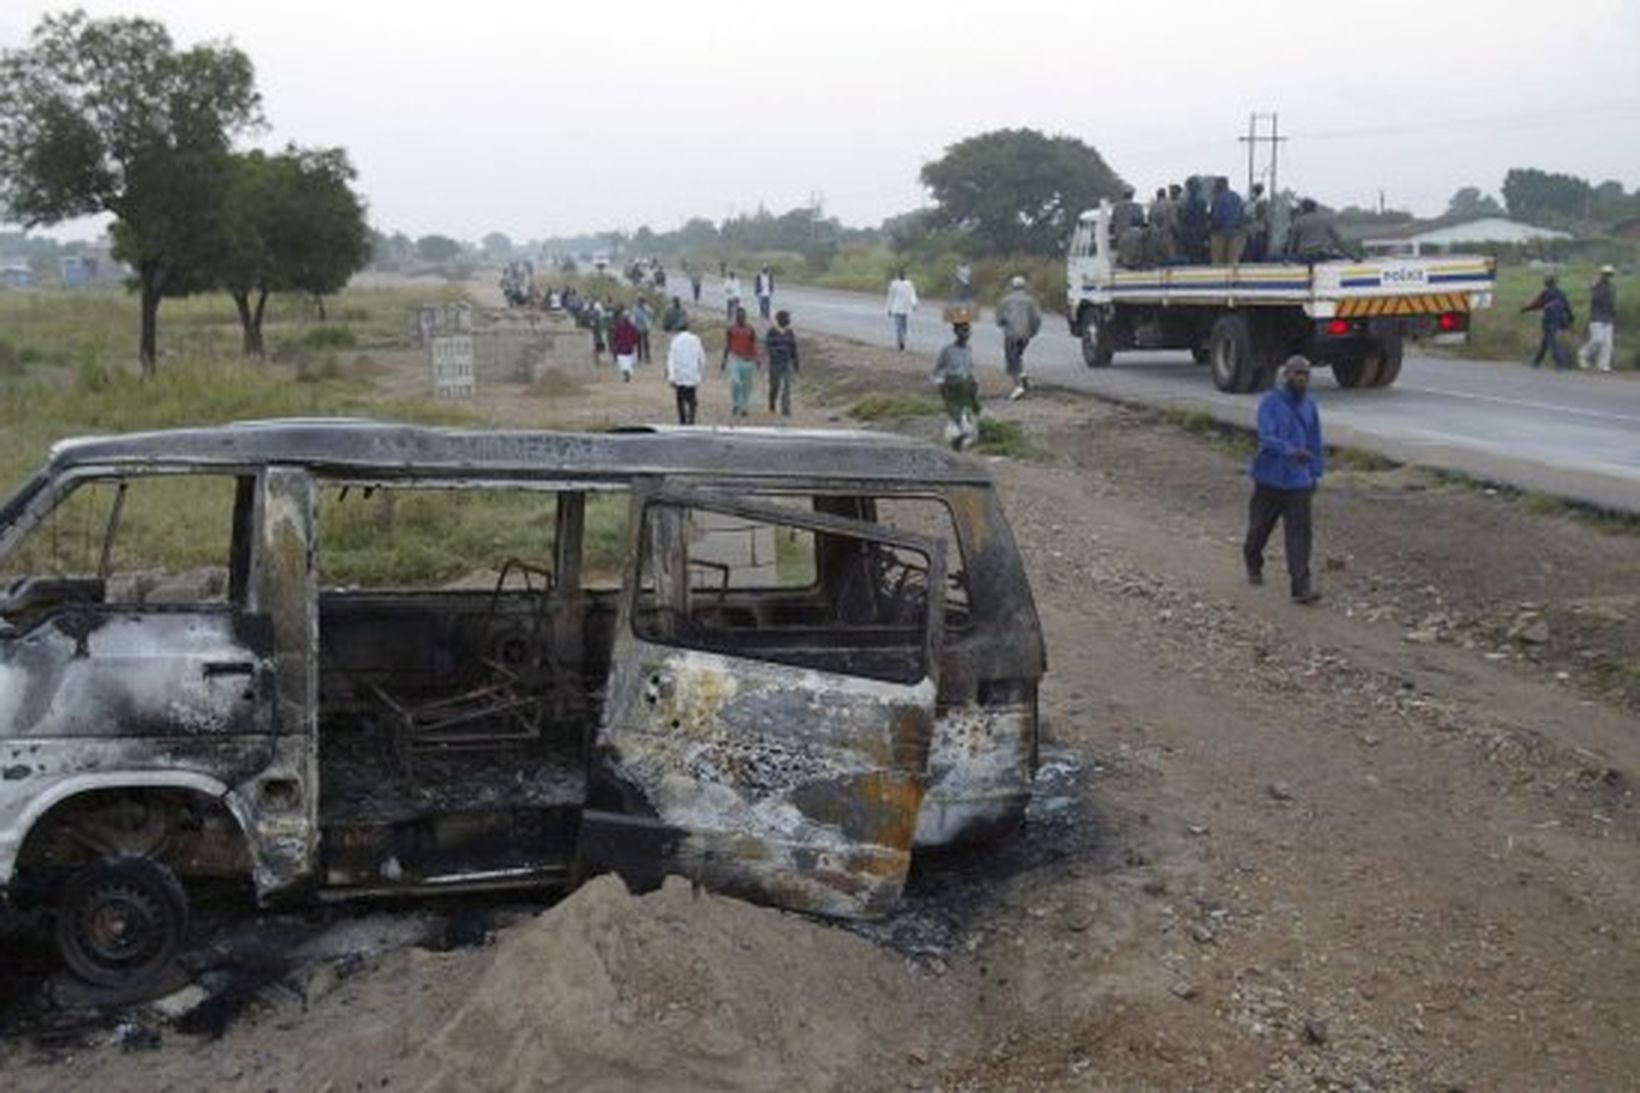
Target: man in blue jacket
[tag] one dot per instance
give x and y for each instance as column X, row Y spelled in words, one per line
column 1285, row 471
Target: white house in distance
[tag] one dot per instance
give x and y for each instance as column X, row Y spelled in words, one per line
column 1455, row 237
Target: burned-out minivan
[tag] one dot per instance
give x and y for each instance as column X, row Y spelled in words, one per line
column 341, row 657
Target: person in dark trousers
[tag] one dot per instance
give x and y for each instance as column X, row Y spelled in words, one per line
column 780, row 347
column 1285, row 472
column 954, row 374
column 642, row 319
column 685, row 367
column 1557, row 319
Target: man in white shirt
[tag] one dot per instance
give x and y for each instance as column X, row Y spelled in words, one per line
column 902, row 301
column 685, row 364
column 731, row 295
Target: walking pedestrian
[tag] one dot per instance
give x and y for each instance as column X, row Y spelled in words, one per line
column 954, row 374
column 1286, row 470
column 1225, row 216
column 731, row 295
column 643, row 320
column 1557, row 318
column 963, row 283
column 1602, row 322
column 598, row 319
column 694, row 283
column 676, row 318
column 780, row 347
column 764, row 287
column 623, row 342
column 1020, row 318
column 740, row 351
column 685, row 365
column 902, row 301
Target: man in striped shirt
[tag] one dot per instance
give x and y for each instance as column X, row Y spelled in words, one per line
column 780, row 347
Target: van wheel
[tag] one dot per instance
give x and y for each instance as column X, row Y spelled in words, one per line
column 1230, row 349
column 1098, row 347
column 1385, row 360
column 121, row 921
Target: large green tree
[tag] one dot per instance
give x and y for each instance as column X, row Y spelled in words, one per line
column 291, row 223
column 1017, row 190
column 108, row 116
column 1541, row 195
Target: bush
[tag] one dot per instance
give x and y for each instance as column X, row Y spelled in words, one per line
column 330, row 336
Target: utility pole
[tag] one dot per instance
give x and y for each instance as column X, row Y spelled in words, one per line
column 1253, row 139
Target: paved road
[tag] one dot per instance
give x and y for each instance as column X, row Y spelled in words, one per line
column 1574, row 435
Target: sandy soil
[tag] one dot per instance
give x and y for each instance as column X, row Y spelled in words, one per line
column 1385, row 843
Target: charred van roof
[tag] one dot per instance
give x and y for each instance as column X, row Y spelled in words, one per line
column 388, row 449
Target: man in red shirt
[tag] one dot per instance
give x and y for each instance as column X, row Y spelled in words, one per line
column 623, row 342
column 740, row 359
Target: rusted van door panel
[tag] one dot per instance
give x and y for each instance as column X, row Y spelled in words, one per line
column 788, row 784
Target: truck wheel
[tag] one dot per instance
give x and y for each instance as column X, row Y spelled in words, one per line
column 121, row 921
column 1386, row 352
column 1098, row 347
column 1230, row 349
column 1356, row 371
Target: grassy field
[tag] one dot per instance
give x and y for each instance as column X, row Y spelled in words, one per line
column 70, row 370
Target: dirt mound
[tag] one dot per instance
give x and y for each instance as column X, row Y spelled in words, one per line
column 676, row 989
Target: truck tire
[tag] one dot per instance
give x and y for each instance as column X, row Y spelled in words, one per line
column 1230, row 355
column 1098, row 347
column 1386, row 352
column 1356, row 371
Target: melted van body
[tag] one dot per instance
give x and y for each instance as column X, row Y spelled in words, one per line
column 774, row 661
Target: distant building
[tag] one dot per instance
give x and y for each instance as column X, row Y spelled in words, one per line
column 1445, row 238
column 16, row 275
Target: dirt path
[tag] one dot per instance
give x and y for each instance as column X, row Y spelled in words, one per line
column 1379, row 844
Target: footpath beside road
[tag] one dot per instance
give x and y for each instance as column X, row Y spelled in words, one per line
column 1574, row 435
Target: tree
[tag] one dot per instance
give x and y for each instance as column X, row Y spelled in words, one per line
column 1531, row 193
column 1470, row 204
column 437, row 248
column 1017, row 190
column 107, row 116
column 291, row 223
column 498, row 247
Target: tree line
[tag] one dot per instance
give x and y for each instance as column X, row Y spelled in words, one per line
column 109, row 116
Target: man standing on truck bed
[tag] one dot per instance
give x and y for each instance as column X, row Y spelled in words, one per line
column 1226, row 220
column 1020, row 318
column 1285, row 472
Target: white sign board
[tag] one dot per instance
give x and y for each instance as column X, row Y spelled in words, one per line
column 452, row 356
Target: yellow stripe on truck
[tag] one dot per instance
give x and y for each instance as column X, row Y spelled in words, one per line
column 1426, row 304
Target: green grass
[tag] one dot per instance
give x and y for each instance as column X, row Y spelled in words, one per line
column 893, row 406
column 1006, row 438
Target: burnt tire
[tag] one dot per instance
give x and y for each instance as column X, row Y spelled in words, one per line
column 1230, row 355
column 121, row 921
column 1386, row 360
column 1098, row 347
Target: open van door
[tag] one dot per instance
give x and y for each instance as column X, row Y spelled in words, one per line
column 767, row 720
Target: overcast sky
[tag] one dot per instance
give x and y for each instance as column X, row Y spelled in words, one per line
column 557, row 116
